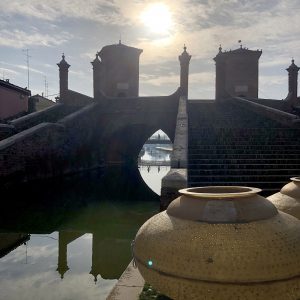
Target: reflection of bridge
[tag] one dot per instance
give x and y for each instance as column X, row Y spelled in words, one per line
column 93, row 204
column 11, row 241
column 154, row 163
column 109, row 255
column 159, row 141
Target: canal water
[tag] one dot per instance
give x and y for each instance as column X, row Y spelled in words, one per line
column 70, row 238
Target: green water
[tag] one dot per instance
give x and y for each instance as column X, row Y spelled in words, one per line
column 70, row 238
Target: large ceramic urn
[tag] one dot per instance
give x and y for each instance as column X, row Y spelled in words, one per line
column 217, row 243
column 288, row 199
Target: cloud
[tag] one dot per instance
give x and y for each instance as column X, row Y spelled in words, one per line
column 159, row 80
column 202, row 25
column 79, row 73
column 272, row 80
column 102, row 11
column 279, row 62
column 5, row 72
column 204, row 78
column 22, row 67
column 20, row 39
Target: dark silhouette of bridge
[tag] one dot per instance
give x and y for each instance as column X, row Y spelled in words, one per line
column 214, row 141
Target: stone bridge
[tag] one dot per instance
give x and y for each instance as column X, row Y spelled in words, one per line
column 83, row 134
column 236, row 139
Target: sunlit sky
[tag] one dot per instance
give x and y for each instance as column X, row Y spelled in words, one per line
column 81, row 28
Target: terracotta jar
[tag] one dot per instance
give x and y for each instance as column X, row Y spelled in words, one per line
column 288, row 199
column 217, row 243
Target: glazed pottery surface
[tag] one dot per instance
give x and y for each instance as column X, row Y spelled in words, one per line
column 288, row 199
column 221, row 243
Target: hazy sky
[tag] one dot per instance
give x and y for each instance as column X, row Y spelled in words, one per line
column 81, row 28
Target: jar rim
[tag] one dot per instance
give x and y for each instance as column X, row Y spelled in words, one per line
column 297, row 179
column 220, row 192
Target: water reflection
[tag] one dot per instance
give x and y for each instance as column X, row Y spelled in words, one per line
column 70, row 238
column 154, row 163
column 155, row 154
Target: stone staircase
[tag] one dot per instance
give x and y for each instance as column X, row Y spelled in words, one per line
column 232, row 146
column 50, row 114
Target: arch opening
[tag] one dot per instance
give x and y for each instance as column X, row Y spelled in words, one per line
column 154, row 159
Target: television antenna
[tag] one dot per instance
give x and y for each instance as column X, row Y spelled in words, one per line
column 46, row 87
column 26, row 52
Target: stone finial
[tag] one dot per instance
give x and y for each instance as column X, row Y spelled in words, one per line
column 293, row 70
column 293, row 67
column 63, row 64
column 184, row 57
column 62, row 269
column 95, row 279
column 96, row 61
column 240, row 42
column 220, row 48
column 63, row 76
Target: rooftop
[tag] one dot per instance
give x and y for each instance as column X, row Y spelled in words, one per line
column 8, row 85
column 107, row 50
column 239, row 51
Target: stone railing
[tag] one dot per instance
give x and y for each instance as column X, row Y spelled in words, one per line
column 47, row 149
column 6, row 130
column 72, row 98
column 180, row 146
column 280, row 116
column 48, row 114
column 177, row 177
column 29, row 155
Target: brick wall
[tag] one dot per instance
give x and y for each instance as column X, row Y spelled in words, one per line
column 12, row 103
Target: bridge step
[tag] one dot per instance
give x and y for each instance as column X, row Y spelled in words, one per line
column 246, row 142
column 231, row 146
column 244, row 172
column 240, row 178
column 276, row 156
column 194, row 167
column 259, row 184
column 241, row 152
column 244, row 161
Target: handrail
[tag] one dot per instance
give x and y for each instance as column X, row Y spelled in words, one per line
column 180, row 146
column 273, row 113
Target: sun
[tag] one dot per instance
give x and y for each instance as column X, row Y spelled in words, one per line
column 157, row 17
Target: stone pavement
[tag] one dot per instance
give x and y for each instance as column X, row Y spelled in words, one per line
column 129, row 285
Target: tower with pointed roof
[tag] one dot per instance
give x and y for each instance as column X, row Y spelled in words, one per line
column 98, row 78
column 237, row 73
column 62, row 266
column 63, row 76
column 293, row 79
column 116, row 71
column 184, row 59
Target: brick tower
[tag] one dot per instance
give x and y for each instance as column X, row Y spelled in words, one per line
column 237, row 73
column 116, row 71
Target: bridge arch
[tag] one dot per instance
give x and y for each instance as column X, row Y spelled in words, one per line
column 122, row 126
column 125, row 143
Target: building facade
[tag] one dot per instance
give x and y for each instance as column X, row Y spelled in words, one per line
column 13, row 100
